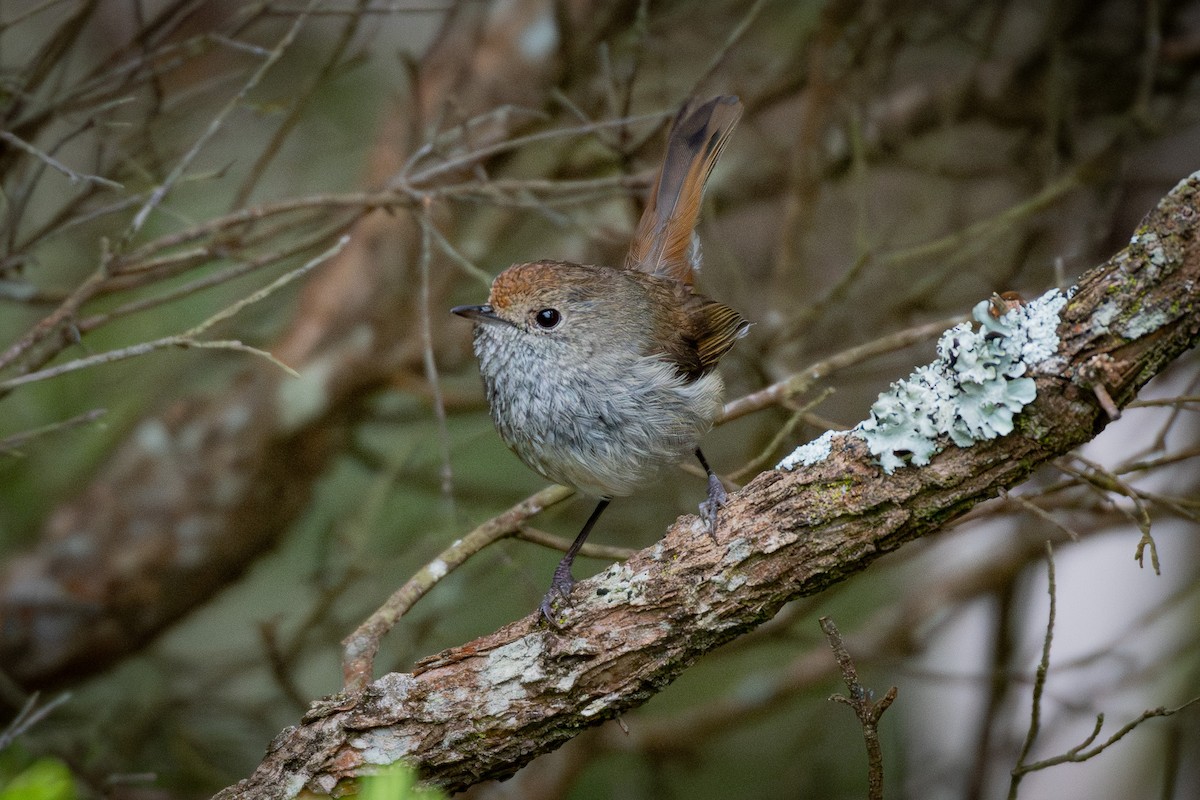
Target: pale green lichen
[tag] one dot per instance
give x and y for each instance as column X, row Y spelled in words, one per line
column 808, row 454
column 1146, row 260
column 600, row 704
column 383, row 746
column 972, row 392
column 507, row 671
column 620, row 585
column 1146, row 322
column 1103, row 317
column 1152, row 247
column 737, row 551
column 1135, row 321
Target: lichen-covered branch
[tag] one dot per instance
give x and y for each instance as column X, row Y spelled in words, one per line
column 484, row 709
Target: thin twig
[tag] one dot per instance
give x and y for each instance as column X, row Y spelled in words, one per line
column 10, row 444
column 1039, row 681
column 300, row 102
column 1167, row 401
column 472, row 157
column 861, row 700
column 799, row 382
column 1104, row 480
column 431, row 370
column 279, row 664
column 30, row 12
column 735, row 35
column 1041, row 513
column 29, row 715
column 269, row 289
column 456, row 256
column 533, row 535
column 51, row 322
column 187, row 338
column 1081, row 751
column 160, row 192
column 51, row 161
column 237, row 270
column 784, row 434
column 359, row 648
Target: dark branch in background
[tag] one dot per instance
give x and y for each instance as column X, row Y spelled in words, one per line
column 862, row 702
column 484, row 709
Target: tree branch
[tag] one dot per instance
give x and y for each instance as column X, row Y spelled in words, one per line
column 199, row 490
column 484, row 709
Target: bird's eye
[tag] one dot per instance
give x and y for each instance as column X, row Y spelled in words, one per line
column 547, row 318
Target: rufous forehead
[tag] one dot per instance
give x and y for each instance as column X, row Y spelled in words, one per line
column 522, row 281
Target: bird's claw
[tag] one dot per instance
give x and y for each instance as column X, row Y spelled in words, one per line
column 560, row 588
column 711, row 508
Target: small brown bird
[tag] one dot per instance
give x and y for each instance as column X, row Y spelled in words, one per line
column 598, row 377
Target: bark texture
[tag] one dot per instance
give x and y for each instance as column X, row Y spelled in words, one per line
column 484, row 709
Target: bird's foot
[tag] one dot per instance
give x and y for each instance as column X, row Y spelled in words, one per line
column 711, row 508
column 560, row 589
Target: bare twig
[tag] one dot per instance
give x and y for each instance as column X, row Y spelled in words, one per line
column 472, row 157
column 51, row 161
column 187, row 338
column 431, row 370
column 216, row 278
column 1084, row 751
column 533, row 535
column 734, row 36
column 801, row 381
column 468, row 266
column 1166, row 401
column 160, row 192
column 862, row 701
column 10, row 445
column 29, row 715
column 81, row 294
column 1041, row 513
column 360, row 647
column 786, row 433
column 1039, row 682
column 300, row 101
column 278, row 662
column 1104, row 480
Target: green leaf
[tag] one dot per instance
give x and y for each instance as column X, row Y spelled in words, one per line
column 397, row 782
column 44, row 779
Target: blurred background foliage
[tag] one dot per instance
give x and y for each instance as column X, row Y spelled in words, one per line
column 898, row 162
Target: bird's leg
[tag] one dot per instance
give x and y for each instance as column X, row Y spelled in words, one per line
column 717, row 497
column 563, row 580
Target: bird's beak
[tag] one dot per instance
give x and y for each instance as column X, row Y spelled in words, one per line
column 479, row 314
